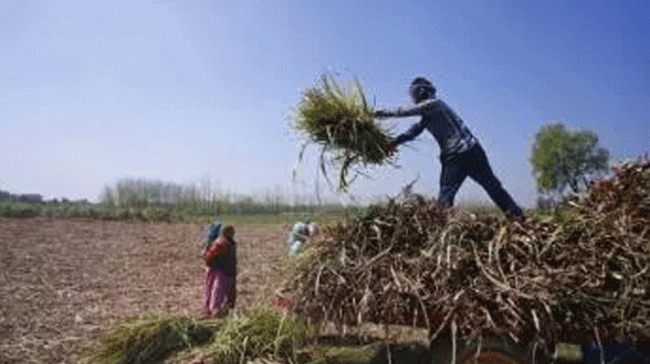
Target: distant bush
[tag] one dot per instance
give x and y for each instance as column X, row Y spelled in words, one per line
column 19, row 209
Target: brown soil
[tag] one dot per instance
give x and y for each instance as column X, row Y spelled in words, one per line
column 63, row 282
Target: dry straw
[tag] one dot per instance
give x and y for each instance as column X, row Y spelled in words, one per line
column 341, row 122
column 264, row 333
column 150, row 339
column 554, row 279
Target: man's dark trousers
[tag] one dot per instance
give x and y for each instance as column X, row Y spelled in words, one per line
column 473, row 163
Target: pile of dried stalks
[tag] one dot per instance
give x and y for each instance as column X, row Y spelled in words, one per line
column 412, row 263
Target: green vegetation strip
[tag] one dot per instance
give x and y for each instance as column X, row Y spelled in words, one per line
column 264, row 333
column 150, row 339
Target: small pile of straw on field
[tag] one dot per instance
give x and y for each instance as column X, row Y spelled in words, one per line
column 342, row 123
column 149, row 339
column 264, row 333
column 413, row 263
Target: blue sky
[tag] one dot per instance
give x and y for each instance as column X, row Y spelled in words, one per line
column 184, row 91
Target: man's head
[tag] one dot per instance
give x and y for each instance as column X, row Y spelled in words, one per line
column 421, row 89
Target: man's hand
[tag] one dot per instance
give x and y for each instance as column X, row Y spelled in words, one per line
column 390, row 149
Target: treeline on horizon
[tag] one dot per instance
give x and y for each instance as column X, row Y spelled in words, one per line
column 155, row 200
column 203, row 199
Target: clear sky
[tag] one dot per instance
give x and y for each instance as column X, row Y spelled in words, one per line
column 182, row 91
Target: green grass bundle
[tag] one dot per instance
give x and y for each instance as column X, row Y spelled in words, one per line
column 341, row 121
column 263, row 333
column 150, row 339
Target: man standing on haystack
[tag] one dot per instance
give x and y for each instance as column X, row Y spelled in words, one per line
column 461, row 154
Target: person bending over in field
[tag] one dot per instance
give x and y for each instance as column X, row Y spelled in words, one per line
column 299, row 235
column 220, row 280
column 461, row 154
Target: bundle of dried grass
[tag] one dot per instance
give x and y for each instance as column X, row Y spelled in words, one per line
column 149, row 339
column 342, row 123
column 263, row 333
column 415, row 264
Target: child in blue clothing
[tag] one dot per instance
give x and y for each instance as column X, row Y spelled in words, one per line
column 212, row 232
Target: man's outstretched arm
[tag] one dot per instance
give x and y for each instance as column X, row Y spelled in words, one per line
column 411, row 133
column 399, row 112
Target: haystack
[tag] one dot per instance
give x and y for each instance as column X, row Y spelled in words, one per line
column 583, row 273
column 341, row 122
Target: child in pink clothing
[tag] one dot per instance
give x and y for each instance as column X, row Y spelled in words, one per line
column 220, row 282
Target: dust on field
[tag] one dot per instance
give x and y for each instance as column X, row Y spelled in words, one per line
column 63, row 281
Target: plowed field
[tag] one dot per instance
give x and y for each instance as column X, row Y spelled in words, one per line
column 62, row 282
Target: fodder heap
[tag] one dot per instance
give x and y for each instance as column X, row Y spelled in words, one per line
column 583, row 272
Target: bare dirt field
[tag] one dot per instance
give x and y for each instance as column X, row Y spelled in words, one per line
column 64, row 281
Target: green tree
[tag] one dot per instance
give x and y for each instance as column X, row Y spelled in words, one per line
column 562, row 158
